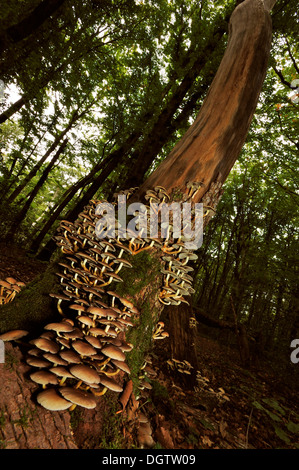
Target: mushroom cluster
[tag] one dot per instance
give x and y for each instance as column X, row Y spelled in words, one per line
column 78, row 357
column 76, row 360
column 9, row 288
column 184, row 367
column 177, row 282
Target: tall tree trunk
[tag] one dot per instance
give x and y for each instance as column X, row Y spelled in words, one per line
column 51, row 149
column 29, row 25
column 20, row 216
column 210, row 147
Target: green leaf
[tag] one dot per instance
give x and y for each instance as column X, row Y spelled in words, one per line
column 281, row 434
column 273, row 416
column 274, row 404
column 293, row 427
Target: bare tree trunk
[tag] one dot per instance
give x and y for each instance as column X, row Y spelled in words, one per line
column 210, row 147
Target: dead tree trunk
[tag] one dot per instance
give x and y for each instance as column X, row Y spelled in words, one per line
column 210, row 147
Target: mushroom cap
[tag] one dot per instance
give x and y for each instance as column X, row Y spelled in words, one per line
column 85, row 320
column 11, row 280
column 59, row 327
column 126, row 303
column 5, row 284
column 64, row 341
column 83, row 348
column 111, row 384
column 113, row 352
column 61, row 372
column 70, row 356
column 55, row 359
column 43, row 377
column 95, row 342
column 79, row 397
column 97, row 332
column 85, row 373
column 50, row 400
column 46, row 345
column 123, row 261
column 13, row 335
column 59, row 296
column 75, row 334
column 78, row 307
column 98, row 311
column 37, row 362
column 121, row 365
column 126, row 347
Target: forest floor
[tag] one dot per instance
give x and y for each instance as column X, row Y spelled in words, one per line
column 228, row 408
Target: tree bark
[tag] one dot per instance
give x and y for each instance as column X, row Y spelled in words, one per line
column 210, row 147
column 34, row 20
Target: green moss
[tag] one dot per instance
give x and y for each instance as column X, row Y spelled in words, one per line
column 145, row 269
column 76, row 418
column 111, row 437
column 141, row 338
column 33, row 306
column 10, row 360
column 2, row 419
column 25, row 418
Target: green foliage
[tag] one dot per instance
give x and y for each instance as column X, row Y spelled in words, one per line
column 286, row 428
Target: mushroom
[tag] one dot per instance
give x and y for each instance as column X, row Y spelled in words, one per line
column 37, row 362
column 113, row 352
column 121, row 365
column 121, row 262
column 110, row 384
column 55, row 359
column 61, row 327
column 60, row 298
column 83, row 348
column 61, row 371
column 78, row 397
column 46, row 345
column 50, row 400
column 70, row 357
column 13, row 335
column 85, row 373
column 44, row 377
column 86, row 321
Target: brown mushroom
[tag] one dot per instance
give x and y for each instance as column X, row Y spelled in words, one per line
column 13, row 335
column 78, row 397
column 85, row 373
column 50, row 400
column 113, row 352
column 44, row 377
column 46, row 345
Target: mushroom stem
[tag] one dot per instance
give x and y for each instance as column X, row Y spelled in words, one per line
column 110, row 374
column 78, row 384
column 61, row 382
column 98, row 394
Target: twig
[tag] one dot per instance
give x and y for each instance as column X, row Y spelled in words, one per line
column 247, row 430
